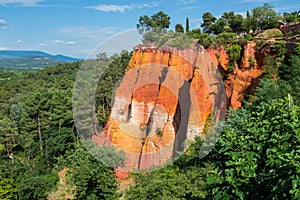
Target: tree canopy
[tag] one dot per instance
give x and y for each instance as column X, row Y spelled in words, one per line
column 158, row 22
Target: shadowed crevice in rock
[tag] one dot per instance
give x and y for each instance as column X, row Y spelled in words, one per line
column 184, row 101
column 163, row 76
column 137, row 76
column 149, row 123
column 176, row 118
column 129, row 112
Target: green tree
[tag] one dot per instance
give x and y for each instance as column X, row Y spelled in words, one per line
column 205, row 40
column 268, row 17
column 208, row 20
column 291, row 17
column 36, row 114
column 257, row 155
column 179, row 28
column 194, row 33
column 158, row 22
column 8, row 135
column 92, row 179
column 187, row 25
column 290, row 74
column 234, row 21
column 169, row 183
column 37, row 187
column 263, row 17
column 219, row 26
column 234, row 54
column 247, row 22
column 108, row 82
column 57, row 142
column 7, row 189
column 60, row 108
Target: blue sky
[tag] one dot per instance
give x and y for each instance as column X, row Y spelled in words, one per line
column 75, row 27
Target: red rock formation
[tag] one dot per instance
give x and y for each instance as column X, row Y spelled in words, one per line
column 240, row 83
column 166, row 97
column 162, row 102
column 219, row 56
column 245, row 76
column 244, row 79
column 248, row 58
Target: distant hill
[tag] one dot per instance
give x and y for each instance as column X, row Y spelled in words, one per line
column 10, row 59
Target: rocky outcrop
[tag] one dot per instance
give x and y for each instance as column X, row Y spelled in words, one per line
column 244, row 78
column 163, row 102
column 167, row 97
column 239, row 84
column 248, row 59
column 289, row 28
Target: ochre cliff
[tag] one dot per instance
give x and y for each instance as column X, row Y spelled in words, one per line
column 244, row 78
column 167, row 96
column 163, row 101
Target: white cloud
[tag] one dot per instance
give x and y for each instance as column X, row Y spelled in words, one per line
column 257, row 1
column 188, row 8
column 287, row 8
column 64, row 42
column 3, row 48
column 24, row 3
column 112, row 8
column 43, row 44
column 121, row 8
column 187, row 1
column 87, row 32
column 2, row 22
column 58, row 41
column 19, row 41
column 70, row 42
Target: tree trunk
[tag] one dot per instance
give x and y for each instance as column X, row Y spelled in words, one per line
column 59, row 126
column 40, row 133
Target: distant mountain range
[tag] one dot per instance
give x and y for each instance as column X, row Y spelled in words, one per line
column 10, row 59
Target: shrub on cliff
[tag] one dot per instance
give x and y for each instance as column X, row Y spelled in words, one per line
column 161, row 39
column 234, row 54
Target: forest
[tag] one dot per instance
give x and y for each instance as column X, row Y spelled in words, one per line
column 257, row 155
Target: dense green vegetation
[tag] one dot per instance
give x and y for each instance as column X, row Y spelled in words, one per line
column 256, row 157
column 38, row 137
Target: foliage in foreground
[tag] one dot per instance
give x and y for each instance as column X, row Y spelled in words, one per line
column 257, row 156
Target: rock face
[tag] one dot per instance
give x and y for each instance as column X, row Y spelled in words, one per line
column 244, row 78
column 163, row 101
column 167, row 96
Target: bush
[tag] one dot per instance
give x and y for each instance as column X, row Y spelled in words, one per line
column 168, row 39
column 206, row 40
column 225, row 38
column 234, row 52
column 257, row 155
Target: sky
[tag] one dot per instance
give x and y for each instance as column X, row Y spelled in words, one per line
column 78, row 27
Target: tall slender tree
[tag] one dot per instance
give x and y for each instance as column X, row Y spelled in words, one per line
column 187, row 25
